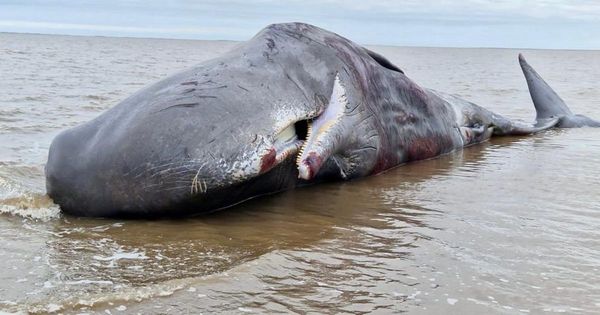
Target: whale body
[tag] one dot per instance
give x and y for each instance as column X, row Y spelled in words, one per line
column 293, row 106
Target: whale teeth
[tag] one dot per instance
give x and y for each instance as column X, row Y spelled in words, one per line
column 299, row 156
column 309, row 130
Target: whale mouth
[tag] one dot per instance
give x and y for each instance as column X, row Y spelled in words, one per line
column 313, row 139
column 302, row 128
column 296, row 139
column 324, row 133
column 290, row 140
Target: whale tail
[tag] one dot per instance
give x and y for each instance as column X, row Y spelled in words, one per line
column 547, row 103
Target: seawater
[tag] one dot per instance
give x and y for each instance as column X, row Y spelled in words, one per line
column 508, row 226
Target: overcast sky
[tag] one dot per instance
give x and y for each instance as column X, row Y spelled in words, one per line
column 562, row 24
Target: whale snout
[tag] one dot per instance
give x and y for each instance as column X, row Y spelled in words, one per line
column 100, row 175
column 66, row 177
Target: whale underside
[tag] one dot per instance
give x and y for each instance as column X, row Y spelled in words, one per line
column 293, row 106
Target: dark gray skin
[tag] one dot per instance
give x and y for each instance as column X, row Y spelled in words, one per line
column 295, row 105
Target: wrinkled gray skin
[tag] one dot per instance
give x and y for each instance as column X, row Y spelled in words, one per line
column 234, row 128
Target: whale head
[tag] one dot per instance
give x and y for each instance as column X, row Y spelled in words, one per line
column 283, row 109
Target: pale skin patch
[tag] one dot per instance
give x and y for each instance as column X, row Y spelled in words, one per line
column 198, row 185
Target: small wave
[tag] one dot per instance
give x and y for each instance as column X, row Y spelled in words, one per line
column 123, row 296
column 94, row 107
column 120, row 254
column 35, row 98
column 12, row 313
column 15, row 52
column 9, row 120
column 86, row 281
column 31, row 98
column 11, row 111
column 36, row 206
column 97, row 97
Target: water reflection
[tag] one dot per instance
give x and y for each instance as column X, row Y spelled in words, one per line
column 368, row 221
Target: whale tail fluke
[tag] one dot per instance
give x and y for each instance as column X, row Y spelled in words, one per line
column 547, row 103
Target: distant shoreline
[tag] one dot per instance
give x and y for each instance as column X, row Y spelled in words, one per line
column 236, row 41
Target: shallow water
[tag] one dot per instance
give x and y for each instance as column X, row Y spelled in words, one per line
column 509, row 226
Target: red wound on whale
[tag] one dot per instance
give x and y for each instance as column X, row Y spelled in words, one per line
column 268, row 160
column 313, row 162
column 421, row 149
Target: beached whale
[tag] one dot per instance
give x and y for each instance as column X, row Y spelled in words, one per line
column 294, row 105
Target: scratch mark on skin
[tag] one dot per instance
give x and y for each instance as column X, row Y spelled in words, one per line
column 292, row 80
column 297, row 85
column 347, row 72
column 154, row 169
column 187, row 105
column 366, row 148
column 176, row 188
column 207, row 82
column 212, row 88
column 178, row 172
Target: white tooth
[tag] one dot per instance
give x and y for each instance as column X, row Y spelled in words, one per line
column 305, row 144
column 299, row 157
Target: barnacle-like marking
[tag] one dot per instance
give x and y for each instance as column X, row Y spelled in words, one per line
column 198, row 185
